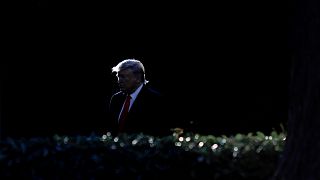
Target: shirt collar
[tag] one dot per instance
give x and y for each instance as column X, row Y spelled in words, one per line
column 136, row 92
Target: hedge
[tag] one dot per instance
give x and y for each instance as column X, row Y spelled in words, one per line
column 142, row 157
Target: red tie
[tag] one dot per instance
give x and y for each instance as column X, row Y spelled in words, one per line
column 124, row 113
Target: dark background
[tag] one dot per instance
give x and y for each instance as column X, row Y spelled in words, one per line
column 225, row 68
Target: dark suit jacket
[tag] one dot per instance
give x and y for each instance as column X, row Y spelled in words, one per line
column 148, row 113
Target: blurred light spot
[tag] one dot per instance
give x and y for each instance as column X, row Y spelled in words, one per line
column 191, row 145
column 116, row 139
column 215, row 146
column 234, row 154
column 134, row 142
column 259, row 149
column 196, row 136
column 65, row 140
column 268, row 137
column 150, row 140
column 180, row 139
column 177, row 143
column 104, row 137
column 113, row 147
column 188, row 139
column 201, row 144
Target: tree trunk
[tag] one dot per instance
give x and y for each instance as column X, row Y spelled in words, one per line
column 301, row 158
column 3, row 77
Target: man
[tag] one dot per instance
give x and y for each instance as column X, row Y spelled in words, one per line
column 136, row 108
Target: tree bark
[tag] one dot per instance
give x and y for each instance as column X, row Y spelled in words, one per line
column 3, row 78
column 301, row 159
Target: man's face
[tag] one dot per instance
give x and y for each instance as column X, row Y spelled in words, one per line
column 128, row 81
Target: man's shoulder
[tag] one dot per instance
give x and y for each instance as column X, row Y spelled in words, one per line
column 152, row 91
column 117, row 95
column 120, row 93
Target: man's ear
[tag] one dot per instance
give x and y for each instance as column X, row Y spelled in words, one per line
column 138, row 81
column 139, row 78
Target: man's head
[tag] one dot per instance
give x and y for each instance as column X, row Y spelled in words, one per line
column 130, row 74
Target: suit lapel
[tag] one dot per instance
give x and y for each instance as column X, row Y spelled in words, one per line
column 118, row 104
column 137, row 103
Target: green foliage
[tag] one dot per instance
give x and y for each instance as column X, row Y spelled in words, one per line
column 139, row 156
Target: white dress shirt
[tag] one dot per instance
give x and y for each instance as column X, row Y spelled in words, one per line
column 133, row 98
